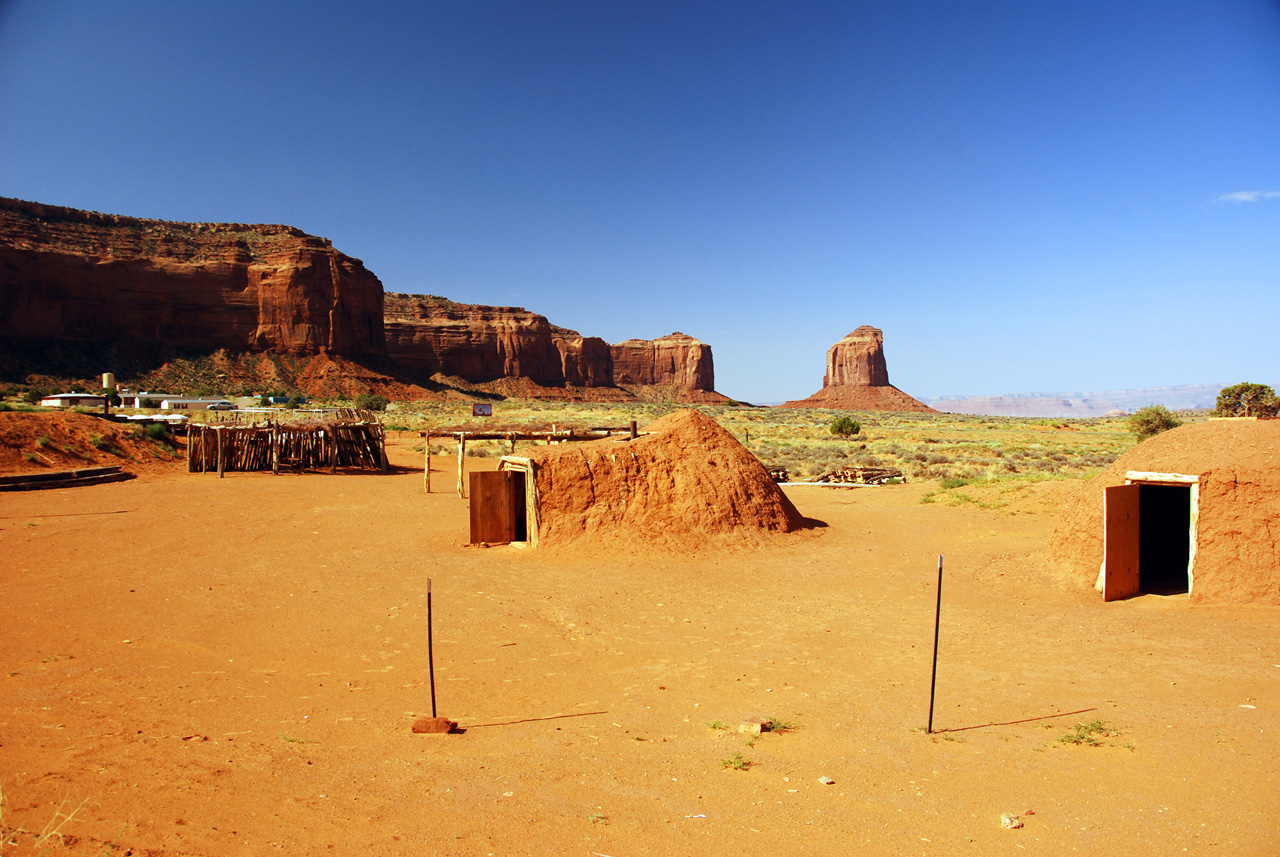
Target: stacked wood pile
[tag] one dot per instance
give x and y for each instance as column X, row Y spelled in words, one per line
column 861, row 475
column 348, row 438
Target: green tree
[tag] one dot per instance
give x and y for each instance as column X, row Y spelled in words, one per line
column 372, row 402
column 1247, row 400
column 1151, row 420
column 845, row 427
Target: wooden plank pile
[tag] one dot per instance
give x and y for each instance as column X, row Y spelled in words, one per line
column 861, row 475
column 63, row 478
column 353, row 439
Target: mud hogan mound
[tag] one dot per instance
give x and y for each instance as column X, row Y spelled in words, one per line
column 67, row 440
column 687, row 481
column 1207, row 505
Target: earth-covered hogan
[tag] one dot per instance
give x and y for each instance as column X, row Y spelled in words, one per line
column 1193, row 510
column 686, row 480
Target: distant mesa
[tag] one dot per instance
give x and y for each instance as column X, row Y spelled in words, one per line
column 857, row 378
column 269, row 306
column 1102, row 403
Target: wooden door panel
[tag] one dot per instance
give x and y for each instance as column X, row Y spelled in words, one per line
column 1122, row 519
column 492, row 512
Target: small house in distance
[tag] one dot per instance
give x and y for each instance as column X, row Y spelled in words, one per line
column 72, row 400
column 1194, row 510
column 684, row 482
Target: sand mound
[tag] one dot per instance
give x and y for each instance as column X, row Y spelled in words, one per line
column 1238, row 532
column 685, row 481
column 863, row 398
column 68, row 440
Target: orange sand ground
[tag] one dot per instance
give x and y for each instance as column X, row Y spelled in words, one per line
column 209, row 667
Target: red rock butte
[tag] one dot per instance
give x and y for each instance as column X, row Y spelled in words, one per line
column 857, row 378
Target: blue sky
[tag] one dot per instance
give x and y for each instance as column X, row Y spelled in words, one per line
column 1024, row 196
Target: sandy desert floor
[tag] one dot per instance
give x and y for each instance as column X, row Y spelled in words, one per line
column 194, row 666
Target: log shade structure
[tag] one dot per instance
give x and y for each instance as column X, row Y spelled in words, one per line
column 547, row 437
column 347, row 438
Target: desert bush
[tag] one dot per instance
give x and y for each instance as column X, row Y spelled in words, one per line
column 158, row 431
column 372, row 402
column 845, row 427
column 1150, row 421
column 1247, row 400
column 32, row 397
column 149, row 403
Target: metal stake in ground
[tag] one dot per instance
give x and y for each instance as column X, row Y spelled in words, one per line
column 937, row 619
column 433, row 724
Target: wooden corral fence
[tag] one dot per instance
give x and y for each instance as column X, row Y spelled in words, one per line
column 553, row 436
column 341, row 439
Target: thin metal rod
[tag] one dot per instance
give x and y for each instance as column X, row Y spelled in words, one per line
column 937, row 621
column 430, row 655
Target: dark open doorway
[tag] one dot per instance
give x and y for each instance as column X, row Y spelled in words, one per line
column 1164, row 543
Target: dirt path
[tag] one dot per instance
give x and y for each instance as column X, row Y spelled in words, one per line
column 209, row 667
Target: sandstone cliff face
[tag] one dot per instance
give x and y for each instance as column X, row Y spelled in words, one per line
column 428, row 335
column 857, row 360
column 81, row 291
column 676, row 360
column 69, row 275
column 487, row 345
column 585, row 361
column 857, row 378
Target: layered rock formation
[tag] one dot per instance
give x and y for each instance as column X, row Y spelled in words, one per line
column 78, row 276
column 430, row 335
column 81, row 292
column 675, row 360
column 857, row 378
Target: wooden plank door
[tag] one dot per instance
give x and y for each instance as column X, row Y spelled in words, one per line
column 492, row 512
column 1122, row 520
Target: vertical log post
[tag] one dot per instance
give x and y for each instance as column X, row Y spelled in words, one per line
column 633, row 430
column 426, row 463
column 217, row 431
column 462, row 451
column 333, row 448
column 275, row 451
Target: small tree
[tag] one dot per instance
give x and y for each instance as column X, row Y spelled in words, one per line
column 1247, row 400
column 372, row 402
column 1151, row 420
column 845, row 427
column 293, row 402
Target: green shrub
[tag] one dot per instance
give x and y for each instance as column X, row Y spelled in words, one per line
column 372, row 402
column 1247, row 400
column 149, row 403
column 97, row 441
column 158, row 431
column 32, row 397
column 293, row 402
column 1150, row 421
column 845, row 427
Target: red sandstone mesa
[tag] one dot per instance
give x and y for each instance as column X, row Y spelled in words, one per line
column 112, row 285
column 79, row 276
column 857, row 378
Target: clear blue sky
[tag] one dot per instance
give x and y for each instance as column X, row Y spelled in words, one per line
column 1025, row 196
